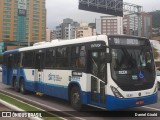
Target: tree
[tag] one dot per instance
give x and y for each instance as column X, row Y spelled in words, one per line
column 156, row 53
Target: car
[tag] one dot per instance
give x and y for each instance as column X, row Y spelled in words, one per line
column 158, row 76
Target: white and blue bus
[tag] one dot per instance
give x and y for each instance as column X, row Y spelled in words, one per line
column 111, row 72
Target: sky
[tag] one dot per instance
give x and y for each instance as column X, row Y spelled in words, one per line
column 57, row 10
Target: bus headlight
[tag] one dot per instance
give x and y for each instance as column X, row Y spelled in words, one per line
column 116, row 92
column 156, row 88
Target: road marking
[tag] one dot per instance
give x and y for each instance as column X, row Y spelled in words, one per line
column 46, row 106
column 96, row 106
column 151, row 108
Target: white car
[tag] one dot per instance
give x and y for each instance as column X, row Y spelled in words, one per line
column 158, row 77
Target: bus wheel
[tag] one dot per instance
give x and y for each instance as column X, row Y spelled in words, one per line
column 15, row 86
column 75, row 98
column 22, row 87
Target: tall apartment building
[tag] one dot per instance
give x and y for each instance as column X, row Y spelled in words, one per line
column 130, row 25
column 111, row 25
column 67, row 29
column 21, row 21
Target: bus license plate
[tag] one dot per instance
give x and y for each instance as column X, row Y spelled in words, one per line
column 140, row 102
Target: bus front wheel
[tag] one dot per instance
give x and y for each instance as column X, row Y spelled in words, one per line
column 76, row 98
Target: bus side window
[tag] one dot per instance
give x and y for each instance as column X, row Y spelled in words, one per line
column 21, row 59
column 5, row 60
column 50, row 58
column 62, row 57
column 28, row 59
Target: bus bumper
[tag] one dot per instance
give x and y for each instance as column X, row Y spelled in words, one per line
column 114, row 103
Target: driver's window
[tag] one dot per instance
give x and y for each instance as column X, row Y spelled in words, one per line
column 94, row 63
column 98, row 64
column 102, row 65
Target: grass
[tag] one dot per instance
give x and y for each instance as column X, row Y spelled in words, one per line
column 28, row 108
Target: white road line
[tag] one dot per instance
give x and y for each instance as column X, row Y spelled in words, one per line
column 151, row 108
column 48, row 107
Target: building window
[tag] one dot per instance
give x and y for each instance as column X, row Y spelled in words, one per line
column 6, row 32
column 7, row 0
column 6, row 36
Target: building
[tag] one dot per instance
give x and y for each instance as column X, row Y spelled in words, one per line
column 67, row 29
column 20, row 22
column 85, row 30
column 53, row 35
column 130, row 25
column 50, row 34
column 111, row 25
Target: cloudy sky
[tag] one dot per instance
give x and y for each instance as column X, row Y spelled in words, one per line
column 57, row 10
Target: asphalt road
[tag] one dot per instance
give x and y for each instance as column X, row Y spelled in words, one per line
column 64, row 106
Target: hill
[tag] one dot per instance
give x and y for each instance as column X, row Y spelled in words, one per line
column 155, row 18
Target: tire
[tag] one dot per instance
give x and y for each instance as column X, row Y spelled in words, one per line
column 15, row 86
column 22, row 87
column 75, row 98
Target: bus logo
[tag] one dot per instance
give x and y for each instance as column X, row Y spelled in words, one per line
column 54, row 77
column 95, row 45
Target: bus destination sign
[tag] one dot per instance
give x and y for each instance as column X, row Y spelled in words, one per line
column 126, row 41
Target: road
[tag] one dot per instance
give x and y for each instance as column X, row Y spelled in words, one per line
column 54, row 104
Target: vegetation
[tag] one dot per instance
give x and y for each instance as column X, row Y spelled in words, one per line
column 156, row 54
column 155, row 18
column 27, row 108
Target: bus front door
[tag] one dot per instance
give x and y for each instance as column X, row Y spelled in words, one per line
column 97, row 67
column 39, row 77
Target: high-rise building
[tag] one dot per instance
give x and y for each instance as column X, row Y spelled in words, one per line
column 22, row 22
column 111, row 25
column 67, row 29
column 130, row 25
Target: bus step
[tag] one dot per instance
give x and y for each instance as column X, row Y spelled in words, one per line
column 39, row 94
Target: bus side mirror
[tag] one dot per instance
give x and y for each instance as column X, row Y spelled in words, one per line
column 108, row 55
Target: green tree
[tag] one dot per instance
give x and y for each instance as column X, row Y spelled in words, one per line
column 156, row 54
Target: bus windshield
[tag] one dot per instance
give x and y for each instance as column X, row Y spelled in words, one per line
column 132, row 67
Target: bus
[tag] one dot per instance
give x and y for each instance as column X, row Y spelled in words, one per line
column 109, row 72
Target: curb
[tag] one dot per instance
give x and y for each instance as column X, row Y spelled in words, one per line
column 12, row 107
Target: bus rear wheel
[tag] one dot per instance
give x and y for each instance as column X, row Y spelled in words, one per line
column 22, row 87
column 15, row 86
column 75, row 98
